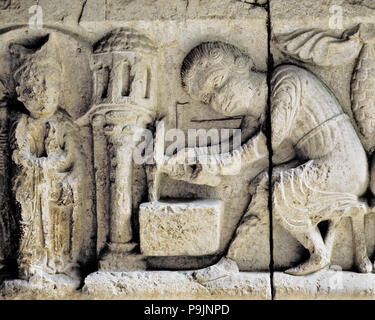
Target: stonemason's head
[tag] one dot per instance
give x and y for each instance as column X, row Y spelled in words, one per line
column 39, row 85
column 222, row 76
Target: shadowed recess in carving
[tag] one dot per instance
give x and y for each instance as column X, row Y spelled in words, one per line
column 126, row 78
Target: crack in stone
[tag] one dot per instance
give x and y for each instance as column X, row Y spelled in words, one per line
column 255, row 4
column 270, row 64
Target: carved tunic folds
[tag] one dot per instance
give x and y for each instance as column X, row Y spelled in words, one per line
column 308, row 121
column 187, row 149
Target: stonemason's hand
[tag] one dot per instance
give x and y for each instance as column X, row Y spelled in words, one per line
column 180, row 165
column 185, row 165
column 206, row 174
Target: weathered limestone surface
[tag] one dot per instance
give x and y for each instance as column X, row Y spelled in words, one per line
column 336, row 68
column 176, row 285
column 17, row 11
column 177, row 229
column 41, row 287
column 147, row 147
column 324, row 285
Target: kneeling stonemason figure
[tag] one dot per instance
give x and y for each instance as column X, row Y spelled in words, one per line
column 323, row 167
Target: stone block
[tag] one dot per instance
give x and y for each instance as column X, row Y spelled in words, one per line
column 180, row 228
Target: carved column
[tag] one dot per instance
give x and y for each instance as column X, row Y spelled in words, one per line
column 125, row 98
column 121, row 139
column 121, row 228
column 114, row 143
column 101, row 166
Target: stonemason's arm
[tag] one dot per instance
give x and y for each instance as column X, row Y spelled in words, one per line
column 231, row 163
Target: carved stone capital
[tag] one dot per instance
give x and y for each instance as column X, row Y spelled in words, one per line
column 98, row 121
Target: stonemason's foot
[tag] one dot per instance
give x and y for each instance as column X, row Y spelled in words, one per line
column 315, row 263
column 363, row 265
column 224, row 268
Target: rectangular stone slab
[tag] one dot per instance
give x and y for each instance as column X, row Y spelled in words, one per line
column 178, row 285
column 189, row 228
column 327, row 284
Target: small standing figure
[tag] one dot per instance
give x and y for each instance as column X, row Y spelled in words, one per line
column 322, row 166
column 50, row 160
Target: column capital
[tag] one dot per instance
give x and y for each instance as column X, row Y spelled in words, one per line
column 98, row 120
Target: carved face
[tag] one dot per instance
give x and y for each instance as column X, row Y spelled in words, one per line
column 233, row 91
column 40, row 91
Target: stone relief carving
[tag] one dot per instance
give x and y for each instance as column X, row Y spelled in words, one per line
column 361, row 86
column 77, row 103
column 49, row 186
column 313, row 184
column 4, row 4
column 304, row 46
column 326, row 49
column 125, row 102
column 6, row 220
column 321, row 47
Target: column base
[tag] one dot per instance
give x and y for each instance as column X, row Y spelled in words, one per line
column 121, row 257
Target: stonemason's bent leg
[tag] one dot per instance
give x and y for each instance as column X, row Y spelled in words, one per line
column 227, row 265
column 253, row 216
column 319, row 256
